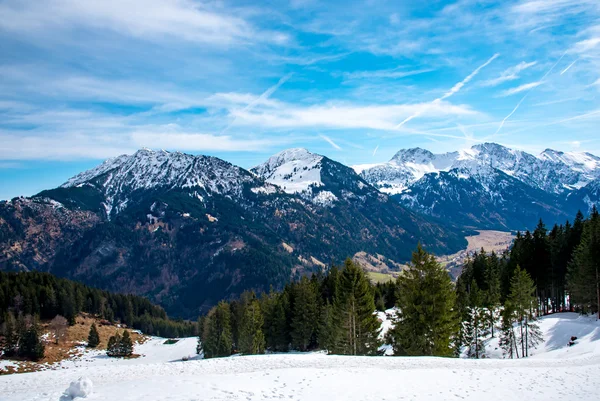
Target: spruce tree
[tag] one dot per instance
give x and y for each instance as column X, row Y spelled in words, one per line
column 508, row 341
column 125, row 345
column 357, row 325
column 30, row 344
column 216, row 336
column 273, row 306
column 113, row 348
column 426, row 321
column 93, row 336
column 11, row 335
column 523, row 302
column 304, row 315
column 584, row 270
column 475, row 326
column 251, row 336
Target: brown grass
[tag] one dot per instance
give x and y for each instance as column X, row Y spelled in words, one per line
column 67, row 347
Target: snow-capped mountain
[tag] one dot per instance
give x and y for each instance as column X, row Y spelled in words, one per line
column 551, row 171
column 188, row 231
column 146, row 170
column 502, row 182
column 314, row 177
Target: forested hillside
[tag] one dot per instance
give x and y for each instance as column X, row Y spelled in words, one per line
column 44, row 296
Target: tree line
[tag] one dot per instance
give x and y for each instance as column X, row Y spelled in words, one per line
column 42, row 296
column 336, row 311
column 544, row 271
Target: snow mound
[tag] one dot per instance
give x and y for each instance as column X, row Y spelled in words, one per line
column 80, row 388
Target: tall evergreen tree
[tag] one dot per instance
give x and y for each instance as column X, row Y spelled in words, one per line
column 305, row 315
column 93, row 336
column 584, row 270
column 216, row 336
column 126, row 345
column 274, row 307
column 251, row 336
column 523, row 302
column 355, row 306
column 30, row 344
column 426, row 322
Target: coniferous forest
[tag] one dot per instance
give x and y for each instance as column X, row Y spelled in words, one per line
column 544, row 271
column 44, row 296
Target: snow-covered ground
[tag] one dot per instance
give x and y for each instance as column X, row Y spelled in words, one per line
column 555, row 373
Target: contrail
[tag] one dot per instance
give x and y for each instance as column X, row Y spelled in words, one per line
column 570, row 65
column 262, row 97
column 525, row 96
column 452, row 91
column 330, row 141
column 375, row 151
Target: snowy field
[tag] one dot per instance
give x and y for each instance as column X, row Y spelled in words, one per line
column 556, row 372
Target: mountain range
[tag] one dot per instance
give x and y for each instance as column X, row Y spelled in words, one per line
column 188, row 231
column 489, row 185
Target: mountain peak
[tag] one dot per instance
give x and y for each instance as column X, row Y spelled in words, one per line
column 294, row 170
column 413, row 155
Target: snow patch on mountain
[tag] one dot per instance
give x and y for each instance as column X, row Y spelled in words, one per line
column 293, row 170
column 147, row 169
column 552, row 171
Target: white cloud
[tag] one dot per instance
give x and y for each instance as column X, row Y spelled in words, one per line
column 145, row 19
column 344, row 116
column 509, row 74
column 392, row 73
column 72, row 146
column 521, row 88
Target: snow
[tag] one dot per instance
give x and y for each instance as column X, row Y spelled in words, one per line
column 80, row 388
column 551, row 171
column 325, row 198
column 555, row 372
column 147, row 169
column 293, row 170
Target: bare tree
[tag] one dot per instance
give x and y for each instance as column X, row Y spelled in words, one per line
column 59, row 325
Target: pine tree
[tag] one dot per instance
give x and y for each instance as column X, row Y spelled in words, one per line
column 426, row 322
column 508, row 341
column 93, row 336
column 273, row 306
column 492, row 293
column 251, row 337
column 30, row 344
column 11, row 335
column 216, row 336
column 355, row 306
column 475, row 326
column 584, row 270
column 304, row 315
column 523, row 302
column 125, row 345
column 113, row 348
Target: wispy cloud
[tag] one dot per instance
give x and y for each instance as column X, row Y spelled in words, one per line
column 330, row 141
column 456, row 88
column 521, row 88
column 525, row 96
column 144, row 19
column 392, row 73
column 264, row 96
column 375, row 150
column 509, row 74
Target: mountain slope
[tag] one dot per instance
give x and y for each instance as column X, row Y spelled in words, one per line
column 188, row 230
column 488, row 185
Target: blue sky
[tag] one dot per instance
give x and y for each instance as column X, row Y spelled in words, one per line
column 81, row 81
